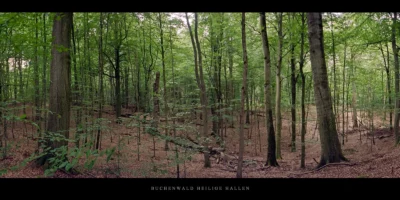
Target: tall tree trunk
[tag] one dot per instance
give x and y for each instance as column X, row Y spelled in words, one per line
column 44, row 81
column 117, row 75
column 331, row 151
column 243, row 96
column 335, row 97
column 76, row 90
column 101, row 71
column 60, row 78
column 343, row 92
column 231, row 90
column 36, row 74
column 303, row 90
column 202, row 86
column 203, row 90
column 396, row 74
column 21, row 83
column 164, row 80
column 353, row 94
column 389, row 80
column 173, row 98
column 293, row 92
column 156, row 104
column 279, row 88
column 271, row 155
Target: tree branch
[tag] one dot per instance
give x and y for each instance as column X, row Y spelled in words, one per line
column 109, row 59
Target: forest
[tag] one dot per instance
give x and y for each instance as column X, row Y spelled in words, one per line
column 199, row 95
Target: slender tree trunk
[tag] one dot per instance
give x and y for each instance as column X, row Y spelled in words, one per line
column 243, row 96
column 21, row 83
column 293, row 93
column 279, row 88
column 231, row 90
column 271, row 154
column 303, row 90
column 77, row 96
column 389, row 80
column 354, row 95
column 343, row 92
column 172, row 109
column 164, row 80
column 396, row 74
column 203, row 92
column 156, row 109
column 101, row 88
column 335, row 97
column 117, row 83
column 330, row 146
column 36, row 76
column 44, row 81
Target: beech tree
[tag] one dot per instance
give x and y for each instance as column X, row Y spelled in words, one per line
column 60, row 79
column 330, row 146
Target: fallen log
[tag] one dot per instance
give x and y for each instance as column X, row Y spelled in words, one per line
column 189, row 143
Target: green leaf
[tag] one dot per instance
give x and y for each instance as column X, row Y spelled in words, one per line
column 63, row 164
column 23, row 116
column 2, row 172
column 110, row 153
column 68, row 166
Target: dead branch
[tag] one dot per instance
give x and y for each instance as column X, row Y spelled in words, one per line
column 384, row 136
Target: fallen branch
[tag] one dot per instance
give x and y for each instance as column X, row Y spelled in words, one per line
column 189, row 143
column 384, row 136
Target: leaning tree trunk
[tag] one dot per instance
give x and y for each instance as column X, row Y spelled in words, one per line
column 387, row 70
column 271, row 155
column 389, row 89
column 60, row 78
column 331, row 151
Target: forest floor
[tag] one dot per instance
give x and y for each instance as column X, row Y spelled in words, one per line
column 366, row 160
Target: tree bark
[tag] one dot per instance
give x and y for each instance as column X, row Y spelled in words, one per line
column 243, row 96
column 293, row 93
column 101, row 71
column 202, row 86
column 354, row 95
column 271, row 155
column 303, row 90
column 36, row 76
column 164, row 80
column 396, row 74
column 330, row 146
column 279, row 88
column 60, row 78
